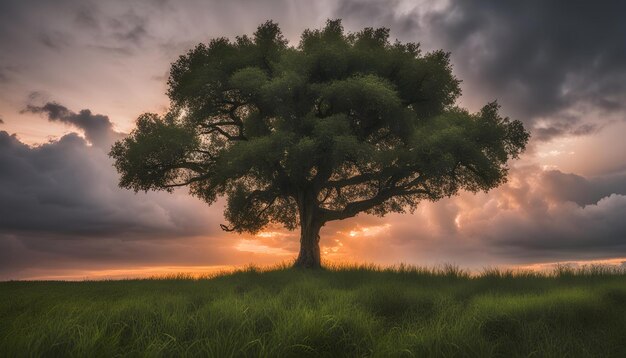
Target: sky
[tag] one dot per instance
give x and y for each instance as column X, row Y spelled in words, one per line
column 74, row 76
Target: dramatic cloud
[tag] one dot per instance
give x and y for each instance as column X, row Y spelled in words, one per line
column 98, row 128
column 559, row 68
column 528, row 219
column 575, row 188
column 66, row 188
column 62, row 209
column 404, row 22
column 105, row 55
column 523, row 221
column 541, row 58
column 60, row 201
column 562, row 68
column 561, row 127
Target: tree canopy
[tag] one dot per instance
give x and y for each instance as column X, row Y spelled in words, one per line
column 301, row 135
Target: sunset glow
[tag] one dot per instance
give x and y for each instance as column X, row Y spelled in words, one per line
column 74, row 77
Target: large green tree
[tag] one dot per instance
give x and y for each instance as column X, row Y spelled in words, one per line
column 343, row 123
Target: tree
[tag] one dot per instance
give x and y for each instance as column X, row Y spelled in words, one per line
column 343, row 123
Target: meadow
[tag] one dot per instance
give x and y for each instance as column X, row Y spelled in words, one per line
column 343, row 311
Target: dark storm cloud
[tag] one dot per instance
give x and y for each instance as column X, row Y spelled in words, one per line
column 65, row 187
column 560, row 128
column 61, row 203
column 540, row 57
column 543, row 60
column 574, row 232
column 563, row 125
column 553, row 65
column 381, row 13
column 550, row 215
column 98, row 128
column 538, row 216
column 61, row 206
column 578, row 189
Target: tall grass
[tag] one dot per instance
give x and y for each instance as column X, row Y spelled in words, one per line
column 355, row 310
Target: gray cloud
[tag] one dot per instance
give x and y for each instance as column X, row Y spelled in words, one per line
column 86, row 17
column 61, row 205
column 566, row 125
column 62, row 210
column 574, row 232
column 538, row 216
column 7, row 73
column 98, row 128
column 357, row 14
column 551, row 65
column 65, row 187
column 571, row 187
column 55, row 40
column 547, row 215
column 540, row 58
column 129, row 28
column 543, row 61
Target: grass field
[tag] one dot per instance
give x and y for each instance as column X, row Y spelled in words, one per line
column 350, row 311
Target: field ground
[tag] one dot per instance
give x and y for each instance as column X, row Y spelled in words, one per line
column 350, row 311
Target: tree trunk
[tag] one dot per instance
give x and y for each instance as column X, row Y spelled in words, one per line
column 310, row 225
column 309, row 256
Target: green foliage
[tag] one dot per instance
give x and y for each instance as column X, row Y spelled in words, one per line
column 350, row 311
column 151, row 158
column 341, row 124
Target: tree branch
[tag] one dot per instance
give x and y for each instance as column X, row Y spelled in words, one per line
column 356, row 207
column 187, row 182
column 353, row 180
column 258, row 215
column 225, row 134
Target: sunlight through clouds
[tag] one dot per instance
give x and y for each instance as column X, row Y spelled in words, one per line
column 76, row 74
